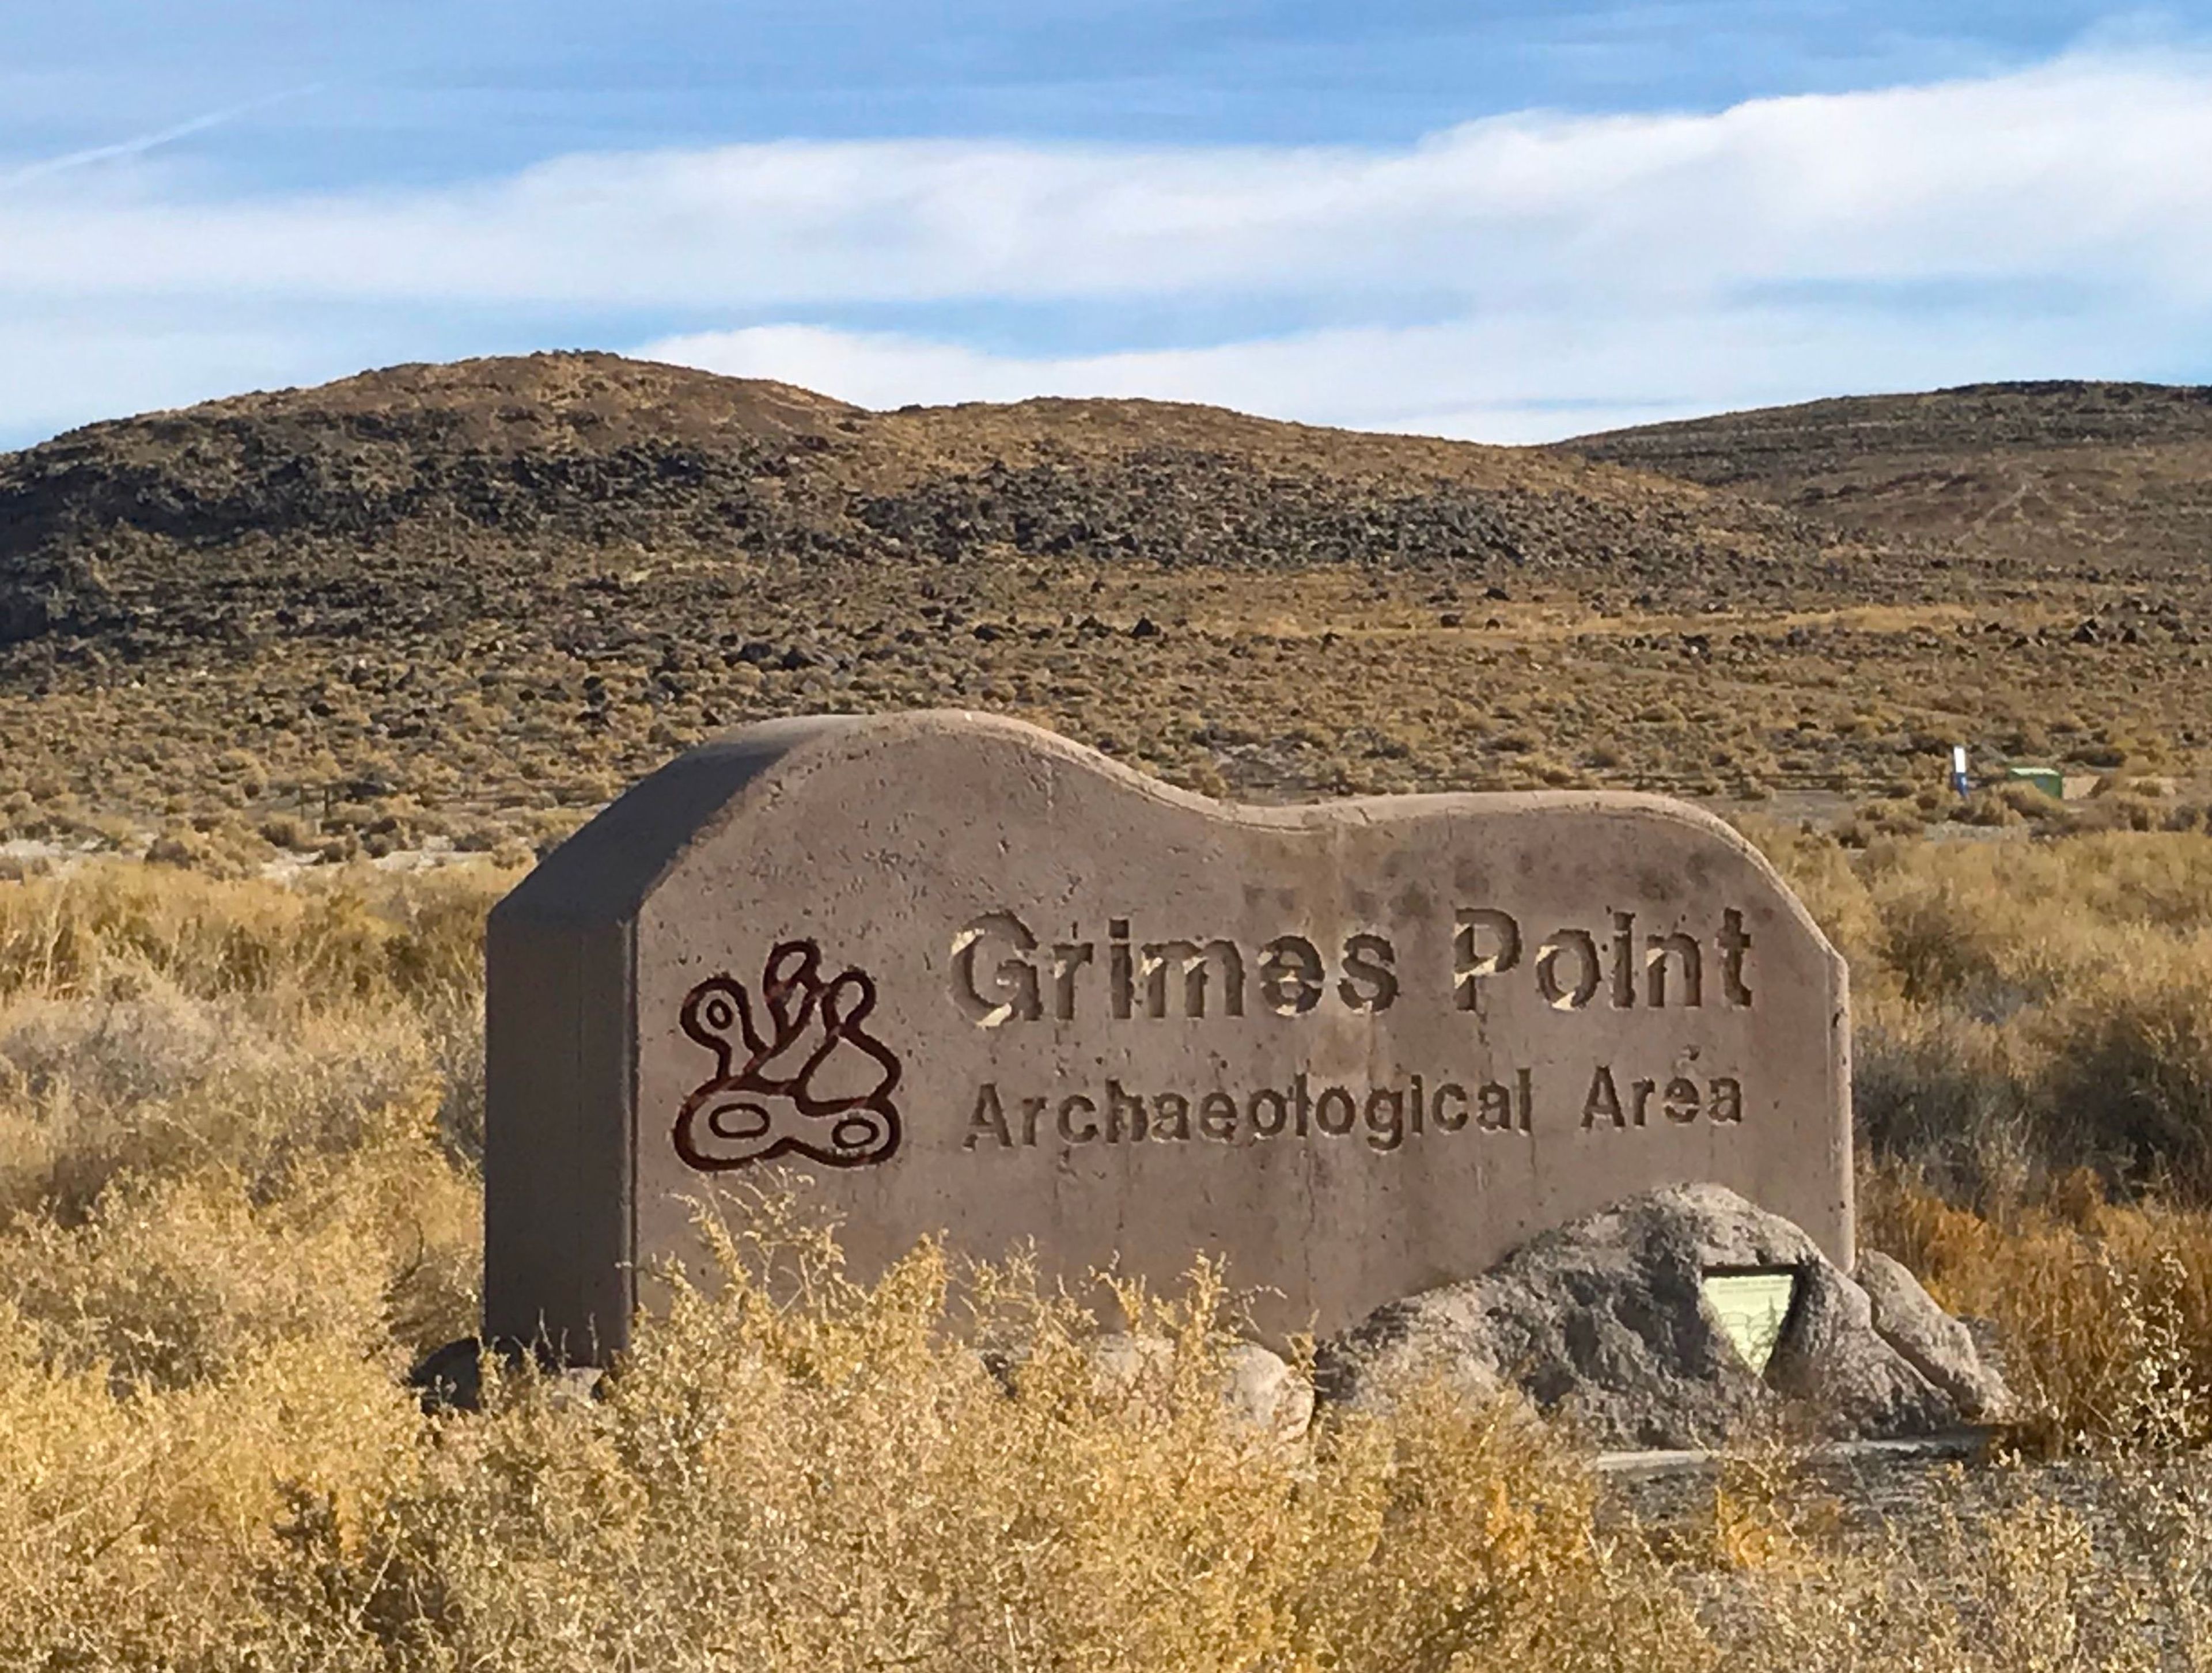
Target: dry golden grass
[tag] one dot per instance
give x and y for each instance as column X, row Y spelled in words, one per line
column 2033, row 1044
column 2023, row 1010
column 2105, row 1312
column 239, row 1124
column 235, row 1114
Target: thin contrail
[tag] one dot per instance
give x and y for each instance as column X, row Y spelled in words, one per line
column 145, row 142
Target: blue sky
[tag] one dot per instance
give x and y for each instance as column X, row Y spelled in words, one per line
column 1503, row 221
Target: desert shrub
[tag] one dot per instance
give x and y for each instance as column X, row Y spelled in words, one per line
column 2022, row 1009
column 233, row 1208
column 288, row 831
column 793, row 1471
column 239, row 1124
column 163, row 1529
column 2032, row 804
column 842, row 1484
column 1986, row 808
column 2127, row 1063
column 414, row 937
column 1890, row 816
column 2103, row 1310
column 1937, row 1088
column 168, row 1284
column 836, row 1481
column 238, row 1116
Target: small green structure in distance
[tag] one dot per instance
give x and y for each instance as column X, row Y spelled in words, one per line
column 2048, row 779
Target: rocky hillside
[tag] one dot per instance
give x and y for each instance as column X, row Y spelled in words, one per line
column 470, row 601
column 2063, row 477
column 423, row 497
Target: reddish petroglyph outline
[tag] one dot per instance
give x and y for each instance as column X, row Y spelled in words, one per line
column 760, row 1103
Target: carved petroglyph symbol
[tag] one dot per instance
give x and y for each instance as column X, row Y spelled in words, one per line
column 803, row 1078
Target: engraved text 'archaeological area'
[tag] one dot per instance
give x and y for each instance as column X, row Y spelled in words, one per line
column 1005, row 977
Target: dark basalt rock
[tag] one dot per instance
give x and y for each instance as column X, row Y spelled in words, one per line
column 505, row 489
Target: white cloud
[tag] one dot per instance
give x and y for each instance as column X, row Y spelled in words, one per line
column 1633, row 264
column 1525, row 376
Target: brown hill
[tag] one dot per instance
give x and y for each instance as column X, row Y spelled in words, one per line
column 2058, row 477
column 427, row 495
column 471, row 601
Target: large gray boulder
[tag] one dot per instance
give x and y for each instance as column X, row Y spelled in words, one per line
column 1941, row 1348
column 1606, row 1321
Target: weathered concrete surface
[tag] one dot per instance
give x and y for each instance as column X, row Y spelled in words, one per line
column 969, row 977
column 1606, row 1321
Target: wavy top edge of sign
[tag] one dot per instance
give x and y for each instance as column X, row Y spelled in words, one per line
column 607, row 869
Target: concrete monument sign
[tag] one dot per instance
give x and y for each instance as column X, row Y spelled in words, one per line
column 976, row 979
